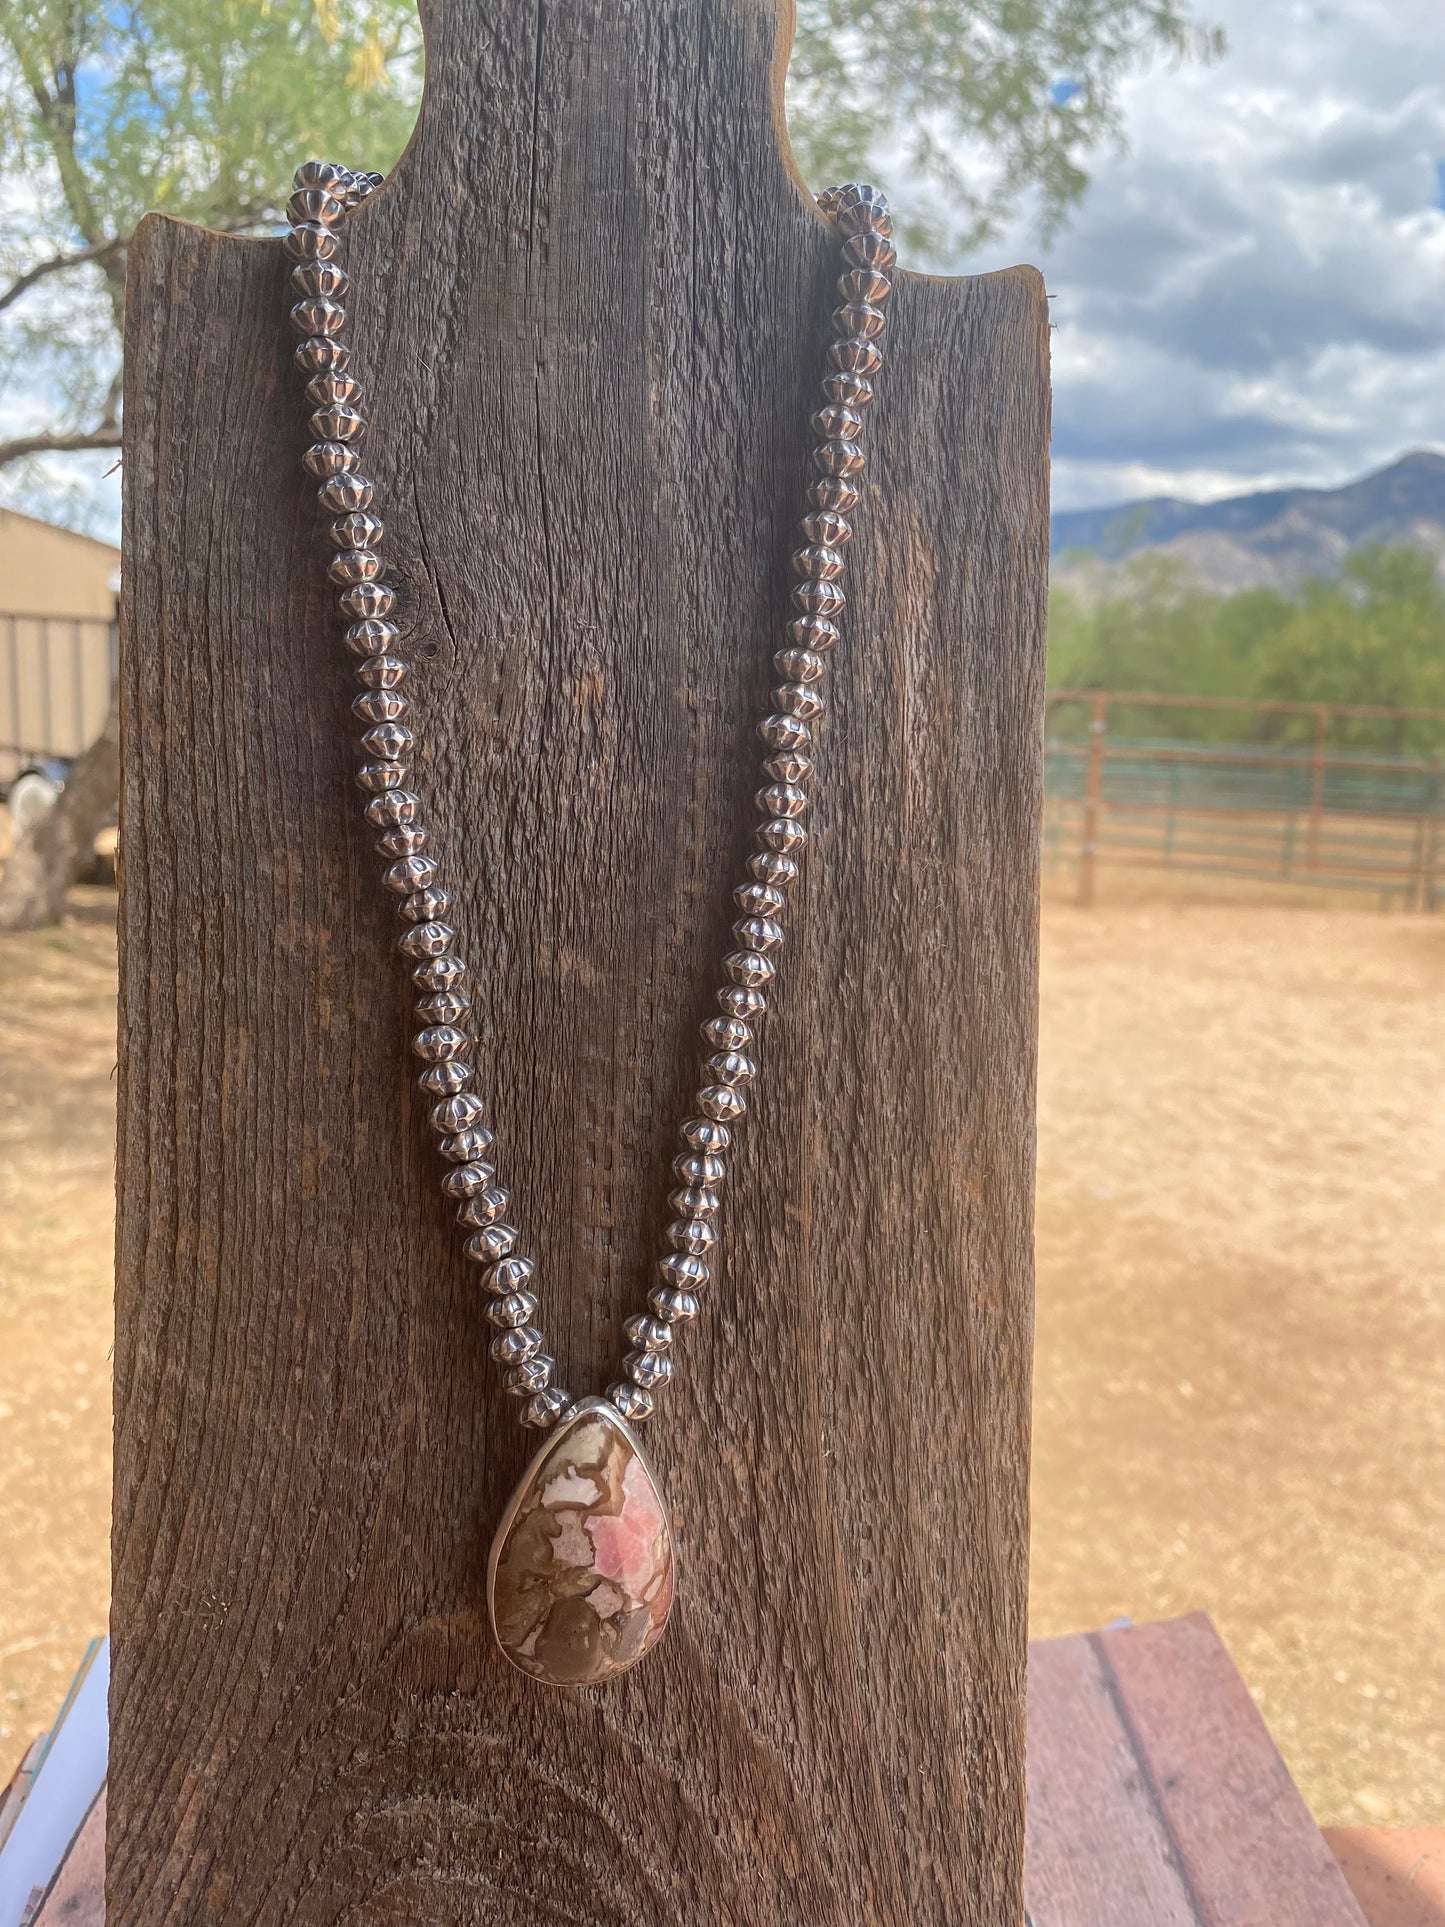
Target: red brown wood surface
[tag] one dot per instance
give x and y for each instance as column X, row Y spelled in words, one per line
column 76, row 1896
column 589, row 309
column 1157, row 1795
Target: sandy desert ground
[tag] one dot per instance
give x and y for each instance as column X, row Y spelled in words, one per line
column 1241, row 1312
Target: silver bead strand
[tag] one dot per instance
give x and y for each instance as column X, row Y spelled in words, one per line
column 860, row 214
column 323, row 195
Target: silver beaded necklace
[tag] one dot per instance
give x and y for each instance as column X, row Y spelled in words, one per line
column 581, row 1576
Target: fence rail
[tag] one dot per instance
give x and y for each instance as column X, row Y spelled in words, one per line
column 56, row 674
column 1318, row 814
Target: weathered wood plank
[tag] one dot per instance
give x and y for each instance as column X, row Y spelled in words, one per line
column 1098, row 1847
column 589, row 311
column 76, row 1896
column 1248, row 1845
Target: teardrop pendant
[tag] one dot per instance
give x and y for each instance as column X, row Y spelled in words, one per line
column 580, row 1577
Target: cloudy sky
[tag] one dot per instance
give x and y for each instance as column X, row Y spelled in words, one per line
column 1254, row 293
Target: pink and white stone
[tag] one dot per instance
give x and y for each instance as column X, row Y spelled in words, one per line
column 580, row 1580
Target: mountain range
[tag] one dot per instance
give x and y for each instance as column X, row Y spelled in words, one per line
column 1273, row 538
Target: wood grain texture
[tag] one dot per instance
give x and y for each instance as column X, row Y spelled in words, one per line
column 1156, row 1795
column 590, row 310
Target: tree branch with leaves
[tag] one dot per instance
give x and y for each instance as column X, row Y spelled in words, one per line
column 200, row 108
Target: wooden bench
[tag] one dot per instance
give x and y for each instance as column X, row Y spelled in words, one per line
column 1156, row 1798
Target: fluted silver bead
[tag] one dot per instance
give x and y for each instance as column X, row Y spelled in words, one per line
column 648, row 1334
column 750, row 967
column 819, row 598
column 758, row 900
column 800, row 699
column 800, row 665
column 442, row 1079
column 732, row 1067
column 365, row 599
column 511, row 1347
column 412, row 873
column 427, row 940
column 694, row 1201
column 771, row 866
column 706, row 1134
column 545, row 1408
column 357, row 530
column 508, row 1274
column 354, row 565
column 426, row 906
column 338, row 423
column 675, row 1306
column 486, row 1246
column 681, row 1271
column 742, row 1000
column 319, row 352
column 317, row 314
column 650, row 1370
column 695, row 1235
column 445, row 972
column 309, row 241
column 839, row 458
column 729, row 1033
column 850, row 390
column 814, row 632
column 465, row 1147
column 444, row 1006
column 758, row 933
column 380, row 706
column 485, row 1207
column 823, row 527
column 789, row 766
column 408, row 840
column 514, row 1308
column 466, row 1180
column 372, row 636
column 330, row 281
column 816, row 561
column 439, row 1043
column 533, row 1375
column 783, row 834
column 381, row 672
column 868, row 285
column 782, row 799
column 381, row 776
column 722, row 1102
column 346, row 494
column 699, row 1167
column 318, row 204
column 457, row 1114
column 870, row 249
column 785, row 732
column 325, row 459
column 631, row 1401
column 328, row 174
column 395, row 810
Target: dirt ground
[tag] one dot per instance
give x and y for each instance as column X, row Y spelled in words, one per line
column 1241, row 1313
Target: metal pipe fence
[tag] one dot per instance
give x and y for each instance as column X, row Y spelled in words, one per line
column 1308, row 814
column 56, row 675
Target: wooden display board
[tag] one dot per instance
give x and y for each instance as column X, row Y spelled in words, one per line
column 588, row 311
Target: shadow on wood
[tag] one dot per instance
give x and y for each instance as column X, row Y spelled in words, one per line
column 588, row 313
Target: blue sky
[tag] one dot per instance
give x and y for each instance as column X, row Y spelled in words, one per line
column 1254, row 293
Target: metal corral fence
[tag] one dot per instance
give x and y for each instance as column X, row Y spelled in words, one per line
column 56, row 674
column 1271, row 811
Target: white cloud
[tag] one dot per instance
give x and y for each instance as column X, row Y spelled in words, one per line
column 1254, row 293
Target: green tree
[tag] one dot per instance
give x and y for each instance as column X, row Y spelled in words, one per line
column 1373, row 635
column 200, row 108
column 195, row 107
column 975, row 103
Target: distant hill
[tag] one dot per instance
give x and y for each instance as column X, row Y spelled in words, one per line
column 1274, row 538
